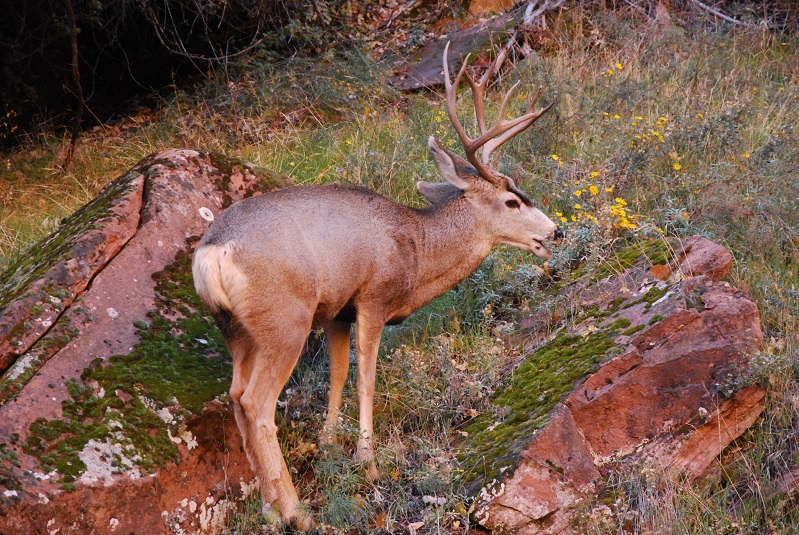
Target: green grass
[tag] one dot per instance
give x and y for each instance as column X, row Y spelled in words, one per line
column 694, row 130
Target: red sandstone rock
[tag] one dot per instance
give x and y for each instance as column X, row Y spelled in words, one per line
column 700, row 256
column 178, row 192
column 92, row 240
column 659, row 401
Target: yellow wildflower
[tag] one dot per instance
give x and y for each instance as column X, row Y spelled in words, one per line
column 593, row 189
column 677, row 166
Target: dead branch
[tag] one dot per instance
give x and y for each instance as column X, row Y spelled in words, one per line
column 716, row 13
column 177, row 46
column 76, row 127
column 533, row 10
column 410, row 6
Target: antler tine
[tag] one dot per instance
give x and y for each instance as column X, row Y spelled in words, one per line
column 478, row 90
column 451, row 93
column 521, row 124
column 490, row 139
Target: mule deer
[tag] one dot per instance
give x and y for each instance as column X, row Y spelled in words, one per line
column 275, row 266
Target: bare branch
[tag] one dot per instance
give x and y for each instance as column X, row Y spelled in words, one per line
column 719, row 14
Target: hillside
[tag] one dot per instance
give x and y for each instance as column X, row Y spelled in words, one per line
column 665, row 125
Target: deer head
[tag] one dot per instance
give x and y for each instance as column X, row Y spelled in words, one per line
column 514, row 218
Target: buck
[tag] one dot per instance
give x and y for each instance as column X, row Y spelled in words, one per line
column 275, row 266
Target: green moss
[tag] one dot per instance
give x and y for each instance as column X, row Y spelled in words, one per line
column 695, row 301
column 650, row 297
column 9, row 456
column 594, row 312
column 655, row 294
column 656, row 318
column 496, row 439
column 31, row 362
column 655, row 251
column 633, row 330
column 178, row 363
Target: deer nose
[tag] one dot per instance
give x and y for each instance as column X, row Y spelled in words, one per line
column 557, row 235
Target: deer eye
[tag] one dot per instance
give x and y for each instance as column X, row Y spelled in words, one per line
column 512, row 203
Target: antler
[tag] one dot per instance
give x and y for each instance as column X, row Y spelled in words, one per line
column 490, row 139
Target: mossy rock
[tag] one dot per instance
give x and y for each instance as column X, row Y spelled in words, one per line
column 158, row 357
column 496, row 439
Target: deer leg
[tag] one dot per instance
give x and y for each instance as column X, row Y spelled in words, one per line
column 338, row 347
column 367, row 342
column 270, row 372
column 243, row 351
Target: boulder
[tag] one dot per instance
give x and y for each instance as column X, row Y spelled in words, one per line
column 645, row 373
column 113, row 416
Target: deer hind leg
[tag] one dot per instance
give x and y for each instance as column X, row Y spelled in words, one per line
column 278, row 349
column 367, row 342
column 337, row 335
column 244, row 352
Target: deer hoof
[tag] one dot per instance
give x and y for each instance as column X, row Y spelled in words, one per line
column 372, row 471
column 301, row 522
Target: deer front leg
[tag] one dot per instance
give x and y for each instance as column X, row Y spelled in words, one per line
column 337, row 335
column 367, row 343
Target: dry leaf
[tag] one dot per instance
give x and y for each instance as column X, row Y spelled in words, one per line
column 414, row 527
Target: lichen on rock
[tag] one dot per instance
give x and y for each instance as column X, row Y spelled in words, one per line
column 123, row 395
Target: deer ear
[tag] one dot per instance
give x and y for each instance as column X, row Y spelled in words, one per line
column 437, row 192
column 451, row 166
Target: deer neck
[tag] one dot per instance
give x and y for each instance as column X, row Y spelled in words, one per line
column 453, row 243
